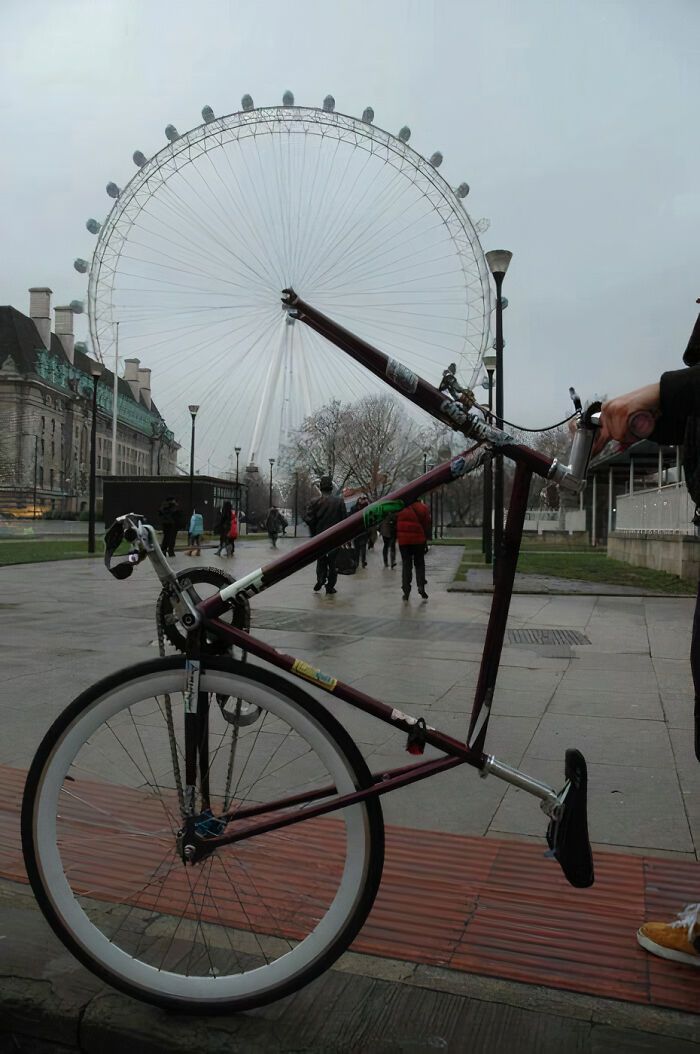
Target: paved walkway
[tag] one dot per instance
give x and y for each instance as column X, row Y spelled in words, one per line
column 624, row 698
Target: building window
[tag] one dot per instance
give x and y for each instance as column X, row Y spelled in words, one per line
column 51, row 479
column 43, row 424
column 53, row 427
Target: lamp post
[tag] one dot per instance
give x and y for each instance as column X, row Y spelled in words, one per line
column 498, row 261
column 487, row 528
column 95, row 373
column 237, row 452
column 193, row 411
column 272, row 461
column 425, row 460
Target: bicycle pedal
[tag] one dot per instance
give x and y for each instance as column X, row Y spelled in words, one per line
column 567, row 833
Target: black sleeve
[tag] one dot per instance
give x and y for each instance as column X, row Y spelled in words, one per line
column 680, row 399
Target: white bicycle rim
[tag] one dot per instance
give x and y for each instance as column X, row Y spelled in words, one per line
column 192, row 989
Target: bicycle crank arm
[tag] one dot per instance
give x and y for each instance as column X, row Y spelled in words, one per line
column 567, row 833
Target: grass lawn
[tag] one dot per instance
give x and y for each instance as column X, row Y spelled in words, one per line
column 36, row 550
column 590, row 565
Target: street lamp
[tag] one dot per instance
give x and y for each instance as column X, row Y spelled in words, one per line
column 95, row 373
column 193, row 411
column 487, row 527
column 272, row 461
column 425, row 460
column 237, row 451
column 498, row 261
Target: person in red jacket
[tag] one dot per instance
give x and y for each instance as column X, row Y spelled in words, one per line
column 412, row 534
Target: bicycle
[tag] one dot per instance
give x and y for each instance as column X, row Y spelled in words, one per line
column 202, row 833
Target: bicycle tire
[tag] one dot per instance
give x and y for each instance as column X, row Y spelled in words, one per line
column 47, row 836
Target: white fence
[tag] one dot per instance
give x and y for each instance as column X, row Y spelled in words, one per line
column 667, row 510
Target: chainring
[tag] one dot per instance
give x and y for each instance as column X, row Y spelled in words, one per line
column 169, row 624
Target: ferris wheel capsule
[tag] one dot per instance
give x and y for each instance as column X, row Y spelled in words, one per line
column 329, row 104
column 436, row 159
column 81, row 265
column 77, row 307
column 462, row 190
column 139, row 158
column 288, row 98
column 208, row 114
column 368, row 115
column 247, row 103
column 113, row 190
column 171, row 133
column 404, row 134
column 82, row 347
column 93, row 226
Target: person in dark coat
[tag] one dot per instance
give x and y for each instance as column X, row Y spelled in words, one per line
column 360, row 540
column 274, row 522
column 412, row 533
column 387, row 529
column 322, row 513
column 170, row 522
column 674, row 401
column 226, row 517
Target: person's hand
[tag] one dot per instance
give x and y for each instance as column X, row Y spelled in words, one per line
column 615, row 414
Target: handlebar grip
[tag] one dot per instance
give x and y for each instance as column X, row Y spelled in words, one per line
column 641, row 424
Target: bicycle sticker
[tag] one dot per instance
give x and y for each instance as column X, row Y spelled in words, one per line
column 374, row 514
column 401, row 376
column 191, row 685
column 323, row 680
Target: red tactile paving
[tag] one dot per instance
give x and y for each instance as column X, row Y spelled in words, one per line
column 495, row 908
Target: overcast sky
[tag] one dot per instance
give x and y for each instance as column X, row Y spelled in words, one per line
column 575, row 122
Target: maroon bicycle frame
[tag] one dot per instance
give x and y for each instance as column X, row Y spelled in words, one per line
column 469, row 752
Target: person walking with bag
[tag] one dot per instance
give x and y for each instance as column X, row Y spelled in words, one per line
column 412, row 532
column 322, row 513
column 274, row 522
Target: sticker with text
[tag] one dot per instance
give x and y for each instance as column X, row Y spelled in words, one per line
column 323, row 680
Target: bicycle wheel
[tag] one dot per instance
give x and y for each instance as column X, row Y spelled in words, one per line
column 254, row 920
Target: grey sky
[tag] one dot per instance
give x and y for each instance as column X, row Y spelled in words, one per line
column 574, row 123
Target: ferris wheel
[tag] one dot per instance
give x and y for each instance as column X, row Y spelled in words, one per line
column 194, row 254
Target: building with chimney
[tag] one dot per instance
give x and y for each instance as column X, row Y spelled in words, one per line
column 46, row 386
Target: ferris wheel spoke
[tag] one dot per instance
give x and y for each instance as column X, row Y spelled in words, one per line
column 252, row 244
column 213, row 234
column 344, row 225
column 328, row 209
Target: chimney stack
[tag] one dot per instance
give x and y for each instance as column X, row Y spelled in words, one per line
column 64, row 330
column 131, row 375
column 145, row 381
column 40, row 312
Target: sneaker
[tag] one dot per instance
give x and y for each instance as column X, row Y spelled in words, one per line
column 405, row 596
column 330, row 591
column 422, row 593
column 678, row 940
column 318, row 586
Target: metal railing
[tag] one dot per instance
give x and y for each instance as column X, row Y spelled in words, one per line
column 664, row 510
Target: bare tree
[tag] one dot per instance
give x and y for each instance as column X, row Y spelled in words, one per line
column 377, row 442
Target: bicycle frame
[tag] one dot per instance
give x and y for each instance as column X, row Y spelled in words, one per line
column 204, row 618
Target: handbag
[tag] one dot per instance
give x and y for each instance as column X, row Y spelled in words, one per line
column 345, row 560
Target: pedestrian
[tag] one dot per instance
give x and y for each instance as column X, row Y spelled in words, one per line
column 387, row 529
column 226, row 517
column 322, row 513
column 170, row 522
column 360, row 540
column 196, row 530
column 274, row 521
column 412, row 533
column 674, row 401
